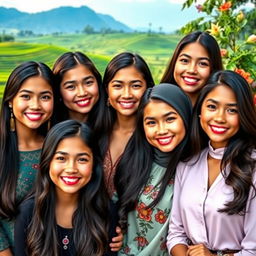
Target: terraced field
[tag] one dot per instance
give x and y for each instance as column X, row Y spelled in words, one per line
column 12, row 54
column 156, row 49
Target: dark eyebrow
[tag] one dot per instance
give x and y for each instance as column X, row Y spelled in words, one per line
column 167, row 114
column 229, row 104
column 116, row 81
column 136, row 81
column 170, row 113
column 188, row 56
column 132, row 81
column 65, row 153
column 69, row 82
column 28, row 91
column 74, row 81
column 88, row 77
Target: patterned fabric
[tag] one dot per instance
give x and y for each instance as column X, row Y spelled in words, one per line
column 29, row 164
column 109, row 172
column 147, row 228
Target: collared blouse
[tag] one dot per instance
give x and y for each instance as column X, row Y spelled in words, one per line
column 195, row 218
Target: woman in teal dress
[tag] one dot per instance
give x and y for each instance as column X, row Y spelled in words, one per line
column 27, row 107
column 144, row 177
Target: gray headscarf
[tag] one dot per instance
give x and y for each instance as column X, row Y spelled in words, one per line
column 175, row 97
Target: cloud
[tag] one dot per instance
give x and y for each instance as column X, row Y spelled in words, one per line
column 40, row 5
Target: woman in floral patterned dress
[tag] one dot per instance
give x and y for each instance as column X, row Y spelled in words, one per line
column 144, row 177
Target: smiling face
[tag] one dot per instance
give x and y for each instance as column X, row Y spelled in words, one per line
column 33, row 104
column 125, row 90
column 80, row 92
column 219, row 117
column 192, row 68
column 71, row 166
column 163, row 126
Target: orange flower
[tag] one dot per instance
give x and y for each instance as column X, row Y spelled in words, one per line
column 224, row 52
column 143, row 212
column 245, row 75
column 225, row 7
column 160, row 217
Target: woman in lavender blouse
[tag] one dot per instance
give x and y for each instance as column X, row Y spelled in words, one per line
column 214, row 201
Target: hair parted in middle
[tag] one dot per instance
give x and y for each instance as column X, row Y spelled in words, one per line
column 90, row 218
column 107, row 115
column 203, row 38
column 66, row 62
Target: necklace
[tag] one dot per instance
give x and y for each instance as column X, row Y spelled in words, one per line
column 216, row 153
column 65, row 242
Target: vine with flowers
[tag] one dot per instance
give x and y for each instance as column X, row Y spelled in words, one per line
column 234, row 29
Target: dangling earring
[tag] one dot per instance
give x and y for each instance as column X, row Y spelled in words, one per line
column 12, row 121
column 108, row 103
column 49, row 125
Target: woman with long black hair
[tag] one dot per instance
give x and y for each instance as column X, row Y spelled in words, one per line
column 215, row 191
column 144, row 176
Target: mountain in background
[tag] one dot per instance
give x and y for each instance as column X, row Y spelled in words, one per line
column 63, row 19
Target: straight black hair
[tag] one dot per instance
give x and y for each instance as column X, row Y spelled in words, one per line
column 135, row 166
column 107, row 115
column 66, row 62
column 9, row 154
column 89, row 220
column 203, row 38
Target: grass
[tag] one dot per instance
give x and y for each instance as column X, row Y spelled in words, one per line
column 156, row 49
column 13, row 54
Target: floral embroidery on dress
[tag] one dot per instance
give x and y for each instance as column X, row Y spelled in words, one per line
column 147, row 226
column 161, row 216
column 142, row 241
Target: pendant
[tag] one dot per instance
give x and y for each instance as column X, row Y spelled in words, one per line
column 65, row 242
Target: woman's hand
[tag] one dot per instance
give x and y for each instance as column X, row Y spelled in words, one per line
column 117, row 241
column 198, row 250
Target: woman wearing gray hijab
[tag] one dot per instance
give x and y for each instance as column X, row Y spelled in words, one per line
column 144, row 177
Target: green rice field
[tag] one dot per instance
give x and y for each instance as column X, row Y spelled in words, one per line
column 156, row 49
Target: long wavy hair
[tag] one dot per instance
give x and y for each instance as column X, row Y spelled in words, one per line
column 240, row 147
column 9, row 153
column 134, row 169
column 203, row 38
column 66, row 62
column 90, row 218
column 107, row 115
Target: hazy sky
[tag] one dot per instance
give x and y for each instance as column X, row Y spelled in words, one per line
column 135, row 13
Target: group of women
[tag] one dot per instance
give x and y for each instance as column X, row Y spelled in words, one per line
column 128, row 167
